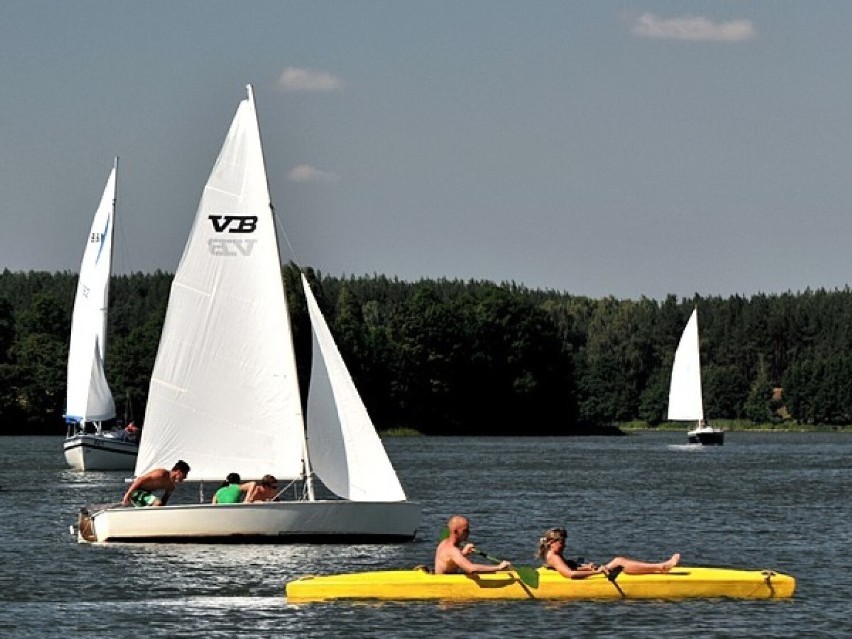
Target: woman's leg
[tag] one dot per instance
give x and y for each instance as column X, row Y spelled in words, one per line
column 634, row 567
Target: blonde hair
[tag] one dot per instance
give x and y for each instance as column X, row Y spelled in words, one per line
column 553, row 534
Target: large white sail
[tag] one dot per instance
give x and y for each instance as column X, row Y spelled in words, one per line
column 345, row 450
column 224, row 394
column 685, row 402
column 89, row 398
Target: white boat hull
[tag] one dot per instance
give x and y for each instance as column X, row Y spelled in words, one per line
column 332, row 521
column 100, row 452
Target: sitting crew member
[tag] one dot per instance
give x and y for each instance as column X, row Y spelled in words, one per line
column 449, row 558
column 131, row 432
column 141, row 490
column 552, row 546
column 231, row 491
column 264, row 490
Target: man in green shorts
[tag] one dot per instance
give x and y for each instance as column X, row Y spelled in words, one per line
column 141, row 490
column 141, row 498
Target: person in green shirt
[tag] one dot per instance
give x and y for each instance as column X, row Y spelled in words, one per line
column 231, row 491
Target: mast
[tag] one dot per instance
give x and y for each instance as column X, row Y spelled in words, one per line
column 111, row 236
column 306, row 464
column 105, row 309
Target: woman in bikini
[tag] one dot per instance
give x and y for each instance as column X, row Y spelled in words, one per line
column 552, row 545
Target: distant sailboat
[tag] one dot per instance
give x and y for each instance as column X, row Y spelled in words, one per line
column 224, row 393
column 685, row 399
column 89, row 445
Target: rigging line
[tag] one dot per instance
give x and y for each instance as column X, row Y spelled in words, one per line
column 122, row 253
column 280, row 227
column 119, row 223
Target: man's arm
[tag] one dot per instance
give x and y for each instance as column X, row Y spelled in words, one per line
column 469, row 567
column 134, row 486
column 563, row 568
column 251, row 489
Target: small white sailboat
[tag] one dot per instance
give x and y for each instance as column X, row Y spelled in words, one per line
column 685, row 399
column 224, row 392
column 89, row 444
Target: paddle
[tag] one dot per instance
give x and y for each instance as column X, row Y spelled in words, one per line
column 612, row 575
column 527, row 574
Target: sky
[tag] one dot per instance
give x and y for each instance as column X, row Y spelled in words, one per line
column 606, row 148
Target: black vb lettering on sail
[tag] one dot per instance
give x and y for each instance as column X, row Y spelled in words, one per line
column 226, row 225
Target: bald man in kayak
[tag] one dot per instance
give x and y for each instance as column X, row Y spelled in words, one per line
column 450, row 558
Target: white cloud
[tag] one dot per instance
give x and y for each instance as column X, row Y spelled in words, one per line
column 695, row 28
column 308, row 173
column 293, row 79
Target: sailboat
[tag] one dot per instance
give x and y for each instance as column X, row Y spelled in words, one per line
column 685, row 400
column 224, row 393
column 89, row 443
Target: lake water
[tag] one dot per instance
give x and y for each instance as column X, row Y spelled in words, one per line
column 764, row 500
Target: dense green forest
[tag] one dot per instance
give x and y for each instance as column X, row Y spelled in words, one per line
column 455, row 357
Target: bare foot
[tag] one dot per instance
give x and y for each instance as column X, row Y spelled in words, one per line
column 673, row 561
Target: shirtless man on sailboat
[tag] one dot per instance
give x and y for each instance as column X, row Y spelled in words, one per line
column 450, row 558
column 141, row 490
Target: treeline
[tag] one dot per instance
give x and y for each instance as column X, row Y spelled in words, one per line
column 454, row 357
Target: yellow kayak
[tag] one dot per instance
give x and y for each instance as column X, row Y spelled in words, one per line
column 681, row 583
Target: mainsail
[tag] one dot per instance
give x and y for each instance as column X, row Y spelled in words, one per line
column 224, row 394
column 89, row 398
column 685, row 402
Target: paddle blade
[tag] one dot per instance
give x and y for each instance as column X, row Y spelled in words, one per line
column 527, row 575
